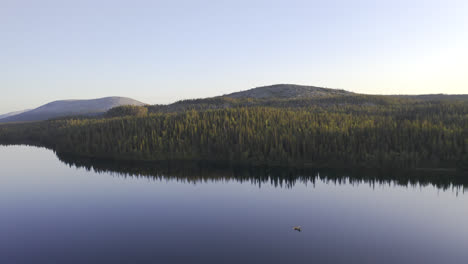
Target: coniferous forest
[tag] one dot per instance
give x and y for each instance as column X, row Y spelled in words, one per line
column 351, row 131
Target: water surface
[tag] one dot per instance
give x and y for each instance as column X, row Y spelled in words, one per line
column 85, row 211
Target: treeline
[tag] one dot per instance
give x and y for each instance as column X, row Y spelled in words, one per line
column 127, row 110
column 324, row 102
column 398, row 134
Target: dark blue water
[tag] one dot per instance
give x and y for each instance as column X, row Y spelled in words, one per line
column 53, row 213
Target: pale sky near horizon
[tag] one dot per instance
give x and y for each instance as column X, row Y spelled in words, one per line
column 163, row 51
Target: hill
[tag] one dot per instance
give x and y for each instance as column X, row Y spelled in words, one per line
column 280, row 125
column 71, row 107
column 298, row 96
column 287, row 91
column 278, row 95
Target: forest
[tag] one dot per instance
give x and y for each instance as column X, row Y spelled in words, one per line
column 357, row 131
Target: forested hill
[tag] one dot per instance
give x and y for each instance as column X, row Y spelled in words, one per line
column 297, row 96
column 70, row 107
column 269, row 126
column 407, row 135
column 281, row 95
column 278, row 96
column 287, row 91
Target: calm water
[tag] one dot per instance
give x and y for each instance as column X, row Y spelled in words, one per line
column 78, row 211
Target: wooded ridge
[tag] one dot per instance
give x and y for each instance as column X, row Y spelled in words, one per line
column 327, row 131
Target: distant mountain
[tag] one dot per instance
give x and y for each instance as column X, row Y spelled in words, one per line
column 13, row 113
column 287, row 91
column 71, row 107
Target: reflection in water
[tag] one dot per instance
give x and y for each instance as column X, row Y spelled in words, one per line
column 50, row 213
column 197, row 171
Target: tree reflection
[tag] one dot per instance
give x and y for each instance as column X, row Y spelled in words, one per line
column 283, row 177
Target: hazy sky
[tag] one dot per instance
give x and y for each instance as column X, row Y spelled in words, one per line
column 162, row 51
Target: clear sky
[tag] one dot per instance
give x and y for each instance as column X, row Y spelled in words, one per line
column 163, row 51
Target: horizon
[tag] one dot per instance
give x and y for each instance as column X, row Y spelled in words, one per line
column 110, row 96
column 171, row 102
column 160, row 53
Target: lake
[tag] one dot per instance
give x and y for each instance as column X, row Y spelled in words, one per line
column 72, row 210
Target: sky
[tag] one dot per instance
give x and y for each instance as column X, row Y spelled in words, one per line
column 164, row 51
